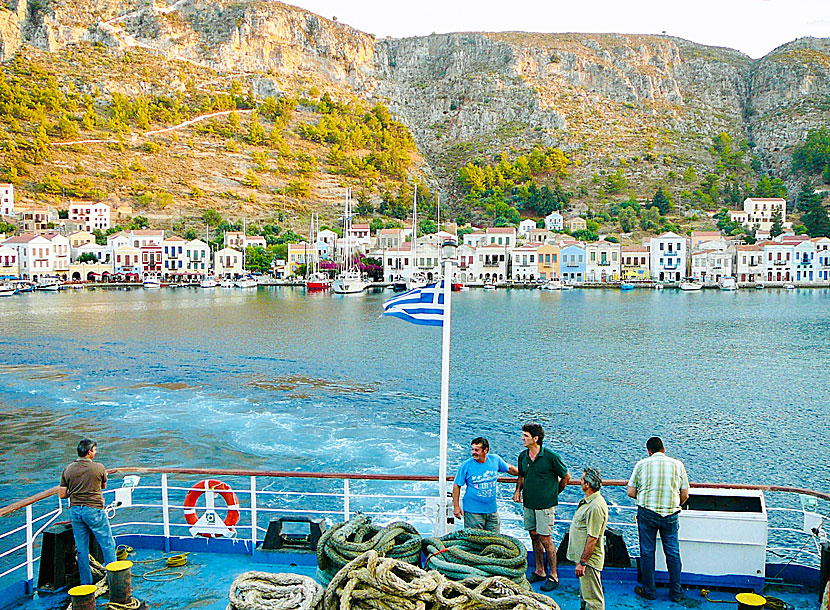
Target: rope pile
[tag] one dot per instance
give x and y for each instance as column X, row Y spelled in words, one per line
column 346, row 541
column 263, row 591
column 370, row 582
column 477, row 554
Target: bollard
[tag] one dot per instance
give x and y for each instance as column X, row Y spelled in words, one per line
column 750, row 601
column 119, row 581
column 83, row 597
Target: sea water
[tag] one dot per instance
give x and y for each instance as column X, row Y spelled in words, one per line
column 736, row 383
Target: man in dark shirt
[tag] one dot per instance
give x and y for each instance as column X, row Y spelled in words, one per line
column 82, row 482
column 542, row 475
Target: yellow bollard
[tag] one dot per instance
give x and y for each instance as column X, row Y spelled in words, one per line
column 119, row 581
column 83, row 597
column 750, row 601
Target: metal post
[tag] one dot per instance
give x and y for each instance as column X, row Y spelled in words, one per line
column 165, row 507
column 30, row 552
column 445, row 399
column 346, row 509
column 253, row 515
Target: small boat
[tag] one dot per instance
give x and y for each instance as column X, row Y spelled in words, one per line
column 490, row 285
column 626, row 286
column 399, row 283
column 728, row 283
column 456, row 286
column 317, row 282
column 691, row 284
column 246, row 281
column 49, row 284
column 416, row 280
column 349, row 282
column 789, row 287
column 659, row 286
column 208, row 281
column 227, row 283
column 152, row 282
column 552, row 285
column 24, row 286
column 7, row 289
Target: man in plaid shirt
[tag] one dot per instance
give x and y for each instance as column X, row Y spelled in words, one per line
column 660, row 485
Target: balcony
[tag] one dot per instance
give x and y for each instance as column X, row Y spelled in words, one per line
column 671, row 265
column 780, row 263
column 603, row 264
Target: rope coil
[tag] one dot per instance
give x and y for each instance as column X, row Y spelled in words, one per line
column 263, row 591
column 473, row 553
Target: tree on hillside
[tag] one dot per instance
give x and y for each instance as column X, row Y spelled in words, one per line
column 814, row 216
column 258, row 259
column 770, row 187
column 777, row 228
column 661, row 201
column 211, row 217
column 650, row 219
column 627, row 219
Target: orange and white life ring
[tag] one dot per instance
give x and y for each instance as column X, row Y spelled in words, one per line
column 207, row 525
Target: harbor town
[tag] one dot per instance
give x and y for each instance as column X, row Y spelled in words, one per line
column 81, row 249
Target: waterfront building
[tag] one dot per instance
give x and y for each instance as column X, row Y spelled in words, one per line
column 324, row 250
column 575, row 224
column 547, row 255
column 91, row 215
column 126, row 260
column 525, row 266
column 60, row 254
column 540, row 236
column 255, row 241
column 299, row 254
column 34, row 255
column 822, row 260
column 525, row 227
column 554, row 222
column 9, row 266
column 428, row 260
column 698, row 238
column 634, row 263
column 118, row 240
column 396, row 261
column 778, row 261
column 197, row 257
column 466, row 260
column 151, row 258
column 6, row 199
column 90, row 272
column 78, row 239
column 804, row 254
column 227, row 262
column 602, row 261
column 361, row 234
column 387, row 239
column 328, row 237
column 173, row 259
column 500, row 236
column 712, row 262
column 572, row 261
column 749, row 263
column 474, row 239
column 667, row 257
column 101, row 253
column 491, row 263
column 234, row 239
column 36, row 220
column 147, row 237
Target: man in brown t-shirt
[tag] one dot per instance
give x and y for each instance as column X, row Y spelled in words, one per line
column 82, row 482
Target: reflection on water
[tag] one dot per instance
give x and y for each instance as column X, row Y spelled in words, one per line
column 269, row 379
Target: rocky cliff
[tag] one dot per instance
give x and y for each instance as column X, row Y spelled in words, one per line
column 651, row 103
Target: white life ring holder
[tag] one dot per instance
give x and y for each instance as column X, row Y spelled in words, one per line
column 220, row 488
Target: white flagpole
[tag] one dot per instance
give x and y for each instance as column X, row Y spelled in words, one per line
column 445, row 399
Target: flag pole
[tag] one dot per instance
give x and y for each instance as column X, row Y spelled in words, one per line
column 445, row 392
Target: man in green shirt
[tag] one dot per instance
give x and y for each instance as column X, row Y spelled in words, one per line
column 586, row 540
column 542, row 476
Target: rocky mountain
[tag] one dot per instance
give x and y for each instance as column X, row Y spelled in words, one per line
column 650, row 105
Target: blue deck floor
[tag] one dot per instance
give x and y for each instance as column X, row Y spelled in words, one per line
column 208, row 576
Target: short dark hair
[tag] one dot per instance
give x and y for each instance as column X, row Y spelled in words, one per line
column 85, row 446
column 481, row 441
column 534, row 430
column 654, row 444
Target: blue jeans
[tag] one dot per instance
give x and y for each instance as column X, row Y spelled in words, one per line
column 85, row 521
column 648, row 524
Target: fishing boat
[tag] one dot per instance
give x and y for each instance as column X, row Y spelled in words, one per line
column 349, row 280
column 152, row 282
column 399, row 283
column 208, row 281
column 24, row 286
column 691, row 284
column 227, row 282
column 7, row 289
column 48, row 284
column 245, row 281
column 728, row 283
column 770, row 540
column 626, row 286
column 789, row 286
column 490, row 284
column 552, row 285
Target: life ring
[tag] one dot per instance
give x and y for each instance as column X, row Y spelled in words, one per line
column 217, row 487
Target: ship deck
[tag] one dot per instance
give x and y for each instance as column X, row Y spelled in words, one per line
column 207, row 577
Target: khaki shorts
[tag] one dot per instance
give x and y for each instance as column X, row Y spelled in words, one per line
column 540, row 521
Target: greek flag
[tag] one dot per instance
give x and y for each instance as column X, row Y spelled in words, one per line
column 420, row 306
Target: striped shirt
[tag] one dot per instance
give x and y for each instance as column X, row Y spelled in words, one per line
column 659, row 479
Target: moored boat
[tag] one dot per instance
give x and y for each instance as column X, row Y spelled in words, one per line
column 48, row 284
column 626, row 286
column 318, row 281
column 208, row 281
column 551, row 285
column 7, row 289
column 789, row 286
column 246, row 281
column 152, row 282
column 728, row 283
column 227, row 282
column 691, row 285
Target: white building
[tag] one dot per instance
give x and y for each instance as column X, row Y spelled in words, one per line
column 491, row 262
column 9, row 267
column 361, row 233
column 6, row 199
column 474, row 239
column 197, row 255
column 602, row 261
column 525, row 227
column 805, row 258
column 500, row 236
column 142, row 238
column 34, row 255
column 778, row 262
column 525, row 265
column 397, row 261
column 749, row 264
column 173, row 259
column 61, row 254
column 118, row 240
column 554, row 222
column 227, row 262
column 101, row 253
column 822, row 260
column 93, row 215
column 667, row 257
column 710, row 263
column 389, row 238
column 759, row 213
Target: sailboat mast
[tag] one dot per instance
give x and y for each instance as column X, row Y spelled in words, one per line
column 415, row 230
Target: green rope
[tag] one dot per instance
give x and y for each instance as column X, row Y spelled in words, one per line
column 346, row 541
column 472, row 553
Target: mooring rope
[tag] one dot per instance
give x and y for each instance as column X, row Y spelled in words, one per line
column 346, row 541
column 371, row 582
column 264, row 591
column 472, row 553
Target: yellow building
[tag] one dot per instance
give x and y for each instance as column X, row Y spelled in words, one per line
column 299, row 254
column 576, row 224
column 548, row 261
column 635, row 263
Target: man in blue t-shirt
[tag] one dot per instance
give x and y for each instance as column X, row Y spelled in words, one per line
column 480, row 474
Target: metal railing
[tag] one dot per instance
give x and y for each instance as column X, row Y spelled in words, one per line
column 158, row 509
